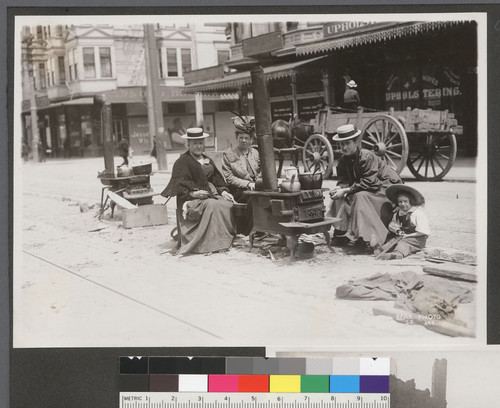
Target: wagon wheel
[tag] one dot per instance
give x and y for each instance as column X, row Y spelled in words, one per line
column 317, row 155
column 385, row 136
column 432, row 156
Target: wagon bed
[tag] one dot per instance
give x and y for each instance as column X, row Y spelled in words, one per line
column 423, row 140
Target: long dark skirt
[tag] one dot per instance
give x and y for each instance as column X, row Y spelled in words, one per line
column 206, row 226
column 364, row 215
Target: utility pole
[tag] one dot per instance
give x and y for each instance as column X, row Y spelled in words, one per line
column 155, row 111
column 30, row 85
column 107, row 134
column 198, row 98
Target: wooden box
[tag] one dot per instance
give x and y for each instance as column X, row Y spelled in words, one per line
column 144, row 216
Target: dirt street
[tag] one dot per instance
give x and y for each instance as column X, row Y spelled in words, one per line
column 84, row 282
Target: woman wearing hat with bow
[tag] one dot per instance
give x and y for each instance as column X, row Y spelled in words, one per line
column 359, row 198
column 409, row 221
column 204, row 205
column 241, row 168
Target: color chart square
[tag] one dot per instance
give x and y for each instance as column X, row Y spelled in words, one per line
column 284, row 383
column 315, row 383
column 223, row 383
column 344, row 383
column 375, row 366
column 193, row 383
column 253, row 383
column 163, row 383
column 374, row 383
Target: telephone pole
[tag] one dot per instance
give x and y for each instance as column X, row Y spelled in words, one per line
column 155, row 111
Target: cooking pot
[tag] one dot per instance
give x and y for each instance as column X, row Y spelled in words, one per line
column 124, row 171
column 290, row 186
column 311, row 181
column 290, row 171
column 142, row 169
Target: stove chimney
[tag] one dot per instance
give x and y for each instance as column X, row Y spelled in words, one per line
column 262, row 109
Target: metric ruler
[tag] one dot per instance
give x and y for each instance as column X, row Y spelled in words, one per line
column 253, row 400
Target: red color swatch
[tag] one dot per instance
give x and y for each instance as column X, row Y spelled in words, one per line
column 253, row 383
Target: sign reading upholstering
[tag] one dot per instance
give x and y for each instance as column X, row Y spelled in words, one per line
column 262, row 44
column 340, row 28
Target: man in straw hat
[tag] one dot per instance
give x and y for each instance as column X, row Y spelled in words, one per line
column 241, row 168
column 359, row 198
column 409, row 221
column 351, row 96
column 204, row 205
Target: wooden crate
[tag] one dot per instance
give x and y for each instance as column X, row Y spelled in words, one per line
column 144, row 216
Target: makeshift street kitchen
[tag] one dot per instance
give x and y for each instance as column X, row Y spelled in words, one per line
column 287, row 257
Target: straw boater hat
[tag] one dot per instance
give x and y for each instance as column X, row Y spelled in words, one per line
column 352, row 84
column 395, row 190
column 195, row 133
column 346, row 132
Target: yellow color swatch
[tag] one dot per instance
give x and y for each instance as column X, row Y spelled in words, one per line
column 284, row 383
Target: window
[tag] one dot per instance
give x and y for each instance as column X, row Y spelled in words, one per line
column 186, row 59
column 161, row 63
column 105, row 58
column 292, row 25
column 59, row 30
column 222, row 56
column 62, row 70
column 43, row 82
column 39, row 32
column 172, row 62
column 88, row 62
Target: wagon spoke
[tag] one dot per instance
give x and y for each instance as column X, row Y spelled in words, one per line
column 393, row 153
column 442, row 156
column 443, row 147
column 426, row 167
column 395, row 145
column 391, row 138
column 392, row 161
column 377, row 134
column 420, row 165
column 438, row 163
column 416, row 158
column 370, row 135
column 367, row 142
column 441, row 139
column 432, row 165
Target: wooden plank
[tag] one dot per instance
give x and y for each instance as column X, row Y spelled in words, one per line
column 450, row 273
column 122, row 202
column 438, row 326
column 144, row 216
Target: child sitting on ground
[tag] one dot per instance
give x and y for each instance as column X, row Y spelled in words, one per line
column 408, row 222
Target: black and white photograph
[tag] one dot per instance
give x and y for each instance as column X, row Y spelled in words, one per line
column 249, row 180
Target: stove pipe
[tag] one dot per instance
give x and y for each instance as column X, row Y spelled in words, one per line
column 262, row 109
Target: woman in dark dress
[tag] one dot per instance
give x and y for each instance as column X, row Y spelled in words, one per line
column 204, row 205
column 359, row 198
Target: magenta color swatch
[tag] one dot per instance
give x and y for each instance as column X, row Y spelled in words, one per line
column 222, row 383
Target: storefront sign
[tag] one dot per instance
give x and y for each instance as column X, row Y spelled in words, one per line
column 204, row 74
column 262, row 44
column 139, row 135
column 341, row 28
column 281, row 110
column 309, row 107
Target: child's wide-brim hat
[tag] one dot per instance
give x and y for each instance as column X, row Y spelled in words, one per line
column 346, row 132
column 395, row 190
column 196, row 133
column 352, row 84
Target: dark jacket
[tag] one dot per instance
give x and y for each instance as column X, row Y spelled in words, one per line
column 188, row 175
column 351, row 98
column 365, row 171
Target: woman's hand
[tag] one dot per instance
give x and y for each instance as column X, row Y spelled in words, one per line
column 251, row 186
column 200, row 194
column 338, row 192
column 227, row 196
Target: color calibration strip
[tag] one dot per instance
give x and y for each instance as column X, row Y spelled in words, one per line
column 254, row 375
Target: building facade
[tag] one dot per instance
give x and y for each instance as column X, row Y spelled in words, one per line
column 398, row 65
column 64, row 67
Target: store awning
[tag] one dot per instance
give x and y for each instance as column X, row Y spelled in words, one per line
column 233, row 82
column 379, row 33
column 79, row 101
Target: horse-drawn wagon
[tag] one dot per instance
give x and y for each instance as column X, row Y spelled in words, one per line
column 424, row 140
